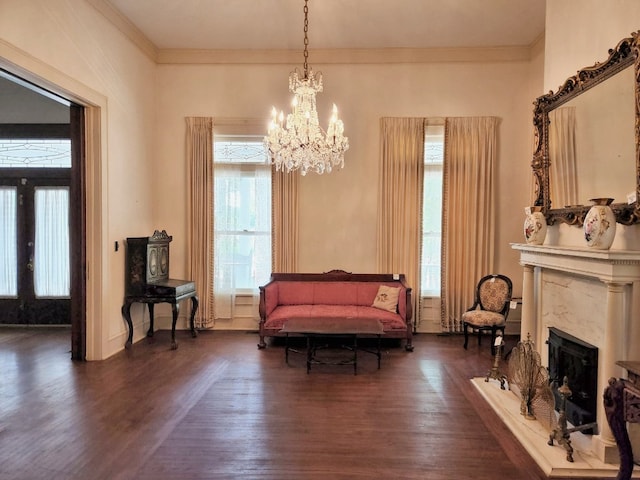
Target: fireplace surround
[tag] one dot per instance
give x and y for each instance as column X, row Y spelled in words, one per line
column 593, row 296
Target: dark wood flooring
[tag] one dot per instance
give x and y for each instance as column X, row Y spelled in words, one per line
column 219, row 408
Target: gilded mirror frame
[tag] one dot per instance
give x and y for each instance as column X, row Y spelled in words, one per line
column 624, row 55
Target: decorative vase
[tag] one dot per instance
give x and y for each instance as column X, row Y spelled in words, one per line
column 535, row 226
column 600, row 224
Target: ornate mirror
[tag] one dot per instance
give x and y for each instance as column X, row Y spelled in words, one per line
column 587, row 138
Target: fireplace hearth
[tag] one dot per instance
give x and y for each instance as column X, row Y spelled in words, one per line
column 578, row 361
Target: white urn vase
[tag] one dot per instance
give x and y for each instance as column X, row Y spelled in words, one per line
column 600, row 224
column 535, row 226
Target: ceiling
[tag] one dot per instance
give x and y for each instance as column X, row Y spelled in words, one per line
column 357, row 24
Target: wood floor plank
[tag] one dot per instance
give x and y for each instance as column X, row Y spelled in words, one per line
column 220, row 408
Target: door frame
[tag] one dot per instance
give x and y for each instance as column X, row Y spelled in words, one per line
column 77, row 204
column 75, row 131
column 91, row 339
column 77, row 237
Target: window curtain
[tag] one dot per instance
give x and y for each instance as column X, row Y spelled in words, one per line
column 284, row 221
column 468, row 212
column 51, row 255
column 563, row 177
column 200, row 214
column 8, row 243
column 400, row 204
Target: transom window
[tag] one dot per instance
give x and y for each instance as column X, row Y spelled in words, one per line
column 35, row 153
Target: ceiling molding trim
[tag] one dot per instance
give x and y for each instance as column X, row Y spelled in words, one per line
column 347, row 56
column 537, row 46
column 128, row 28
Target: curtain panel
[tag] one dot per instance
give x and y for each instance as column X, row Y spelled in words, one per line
column 284, row 221
column 8, row 243
column 563, row 177
column 400, row 202
column 199, row 144
column 468, row 217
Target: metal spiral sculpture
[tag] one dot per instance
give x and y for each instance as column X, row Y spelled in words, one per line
column 529, row 380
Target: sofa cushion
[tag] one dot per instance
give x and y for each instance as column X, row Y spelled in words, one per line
column 390, row 321
column 387, row 298
column 334, row 293
column 295, row 293
column 367, row 292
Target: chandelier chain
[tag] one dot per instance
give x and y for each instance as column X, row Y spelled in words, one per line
column 306, row 39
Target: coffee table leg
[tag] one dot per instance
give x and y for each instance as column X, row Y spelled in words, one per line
column 379, row 355
column 355, row 354
column 286, row 349
column 309, row 353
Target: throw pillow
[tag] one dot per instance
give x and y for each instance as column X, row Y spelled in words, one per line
column 387, row 298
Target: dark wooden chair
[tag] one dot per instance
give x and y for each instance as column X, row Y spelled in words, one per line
column 490, row 309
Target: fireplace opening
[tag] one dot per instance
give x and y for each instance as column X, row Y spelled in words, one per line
column 578, row 361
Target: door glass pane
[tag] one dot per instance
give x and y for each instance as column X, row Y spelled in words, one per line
column 51, row 251
column 8, row 243
column 35, row 153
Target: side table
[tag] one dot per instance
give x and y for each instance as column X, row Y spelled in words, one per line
column 622, row 405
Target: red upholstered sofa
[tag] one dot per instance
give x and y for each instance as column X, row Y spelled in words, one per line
column 331, row 295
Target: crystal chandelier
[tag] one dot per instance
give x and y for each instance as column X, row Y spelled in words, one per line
column 300, row 143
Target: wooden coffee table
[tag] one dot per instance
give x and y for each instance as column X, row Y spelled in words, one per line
column 314, row 328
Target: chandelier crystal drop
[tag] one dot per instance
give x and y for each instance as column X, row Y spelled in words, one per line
column 299, row 143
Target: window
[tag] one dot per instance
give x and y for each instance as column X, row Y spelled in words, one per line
column 242, row 215
column 35, row 153
column 432, row 211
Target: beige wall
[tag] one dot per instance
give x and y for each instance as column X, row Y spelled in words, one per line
column 67, row 46
column 138, row 170
column 339, row 211
column 137, row 167
column 578, row 34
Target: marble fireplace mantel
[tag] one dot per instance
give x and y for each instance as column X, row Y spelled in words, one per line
column 591, row 294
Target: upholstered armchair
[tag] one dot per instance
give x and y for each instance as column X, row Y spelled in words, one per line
column 490, row 309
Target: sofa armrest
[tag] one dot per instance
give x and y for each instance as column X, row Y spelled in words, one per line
column 268, row 299
column 408, row 310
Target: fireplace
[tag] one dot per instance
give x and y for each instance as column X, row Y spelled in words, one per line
column 578, row 361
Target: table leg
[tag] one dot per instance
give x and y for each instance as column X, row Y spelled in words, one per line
column 194, row 309
column 355, row 354
column 286, row 348
column 614, row 411
column 379, row 352
column 309, row 353
column 126, row 313
column 175, row 308
column 151, row 311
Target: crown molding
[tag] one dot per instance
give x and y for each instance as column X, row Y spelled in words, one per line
column 346, row 56
column 537, row 46
column 128, row 28
column 320, row 56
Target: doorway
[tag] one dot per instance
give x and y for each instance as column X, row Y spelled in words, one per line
column 35, row 278
column 42, row 202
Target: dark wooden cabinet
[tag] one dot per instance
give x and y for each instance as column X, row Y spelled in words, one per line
column 147, row 261
column 147, row 281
